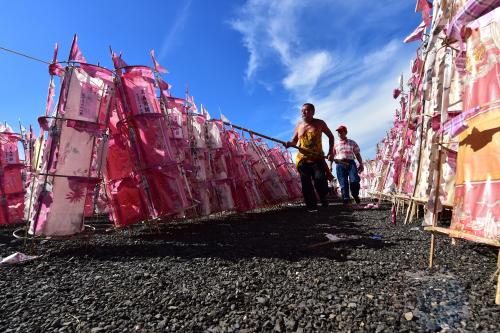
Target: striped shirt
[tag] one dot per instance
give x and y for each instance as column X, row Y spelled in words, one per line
column 346, row 149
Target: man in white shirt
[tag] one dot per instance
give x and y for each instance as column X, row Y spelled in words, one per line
column 347, row 150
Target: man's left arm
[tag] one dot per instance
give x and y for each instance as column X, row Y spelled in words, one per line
column 358, row 157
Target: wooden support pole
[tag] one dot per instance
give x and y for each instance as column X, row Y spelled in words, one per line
column 431, row 252
column 434, row 209
column 497, row 298
column 407, row 217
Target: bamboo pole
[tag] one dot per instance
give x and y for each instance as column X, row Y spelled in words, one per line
column 54, row 131
column 434, row 209
column 301, row 149
column 410, row 211
column 465, row 235
column 133, row 143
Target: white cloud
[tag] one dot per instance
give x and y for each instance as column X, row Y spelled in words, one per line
column 382, row 55
column 366, row 107
column 306, row 71
column 268, row 28
column 350, row 82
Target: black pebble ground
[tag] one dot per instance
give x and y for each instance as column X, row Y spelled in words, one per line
column 254, row 272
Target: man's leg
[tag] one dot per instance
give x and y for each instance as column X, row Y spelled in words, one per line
column 306, row 173
column 320, row 182
column 342, row 174
column 354, row 181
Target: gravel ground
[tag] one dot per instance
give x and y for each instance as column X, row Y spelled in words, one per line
column 254, row 272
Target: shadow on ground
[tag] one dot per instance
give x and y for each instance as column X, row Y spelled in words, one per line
column 288, row 233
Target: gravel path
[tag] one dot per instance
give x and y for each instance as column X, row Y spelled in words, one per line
column 254, row 272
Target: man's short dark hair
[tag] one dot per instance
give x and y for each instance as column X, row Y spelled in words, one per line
column 311, row 105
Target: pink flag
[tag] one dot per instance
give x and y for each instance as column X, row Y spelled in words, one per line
column 164, row 85
column 98, row 72
column 421, row 5
column 56, row 68
column 157, row 66
column 205, row 113
column 118, row 61
column 426, row 16
column 56, row 49
column 31, row 133
column 416, row 34
column 416, row 65
column 425, row 7
column 50, row 97
column 192, row 104
column 75, row 53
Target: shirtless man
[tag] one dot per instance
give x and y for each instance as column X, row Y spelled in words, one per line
column 311, row 167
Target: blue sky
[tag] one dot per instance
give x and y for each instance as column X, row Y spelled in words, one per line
column 256, row 60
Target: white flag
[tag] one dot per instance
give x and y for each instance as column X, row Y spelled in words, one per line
column 224, row 118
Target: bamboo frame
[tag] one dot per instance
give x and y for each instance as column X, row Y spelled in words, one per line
column 65, row 86
column 455, row 234
column 180, row 167
column 464, row 235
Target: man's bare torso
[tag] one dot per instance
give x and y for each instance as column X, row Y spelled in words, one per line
column 311, row 126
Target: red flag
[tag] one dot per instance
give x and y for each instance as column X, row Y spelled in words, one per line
column 75, row 53
column 395, row 93
column 416, row 34
column 157, row 66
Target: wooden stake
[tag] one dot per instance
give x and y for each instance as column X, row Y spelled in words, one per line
column 434, row 209
column 431, row 252
column 408, row 211
column 497, row 298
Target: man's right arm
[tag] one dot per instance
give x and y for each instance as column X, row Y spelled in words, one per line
column 295, row 138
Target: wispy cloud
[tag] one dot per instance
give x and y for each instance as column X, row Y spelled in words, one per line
column 177, row 25
column 332, row 53
column 268, row 30
column 305, row 72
